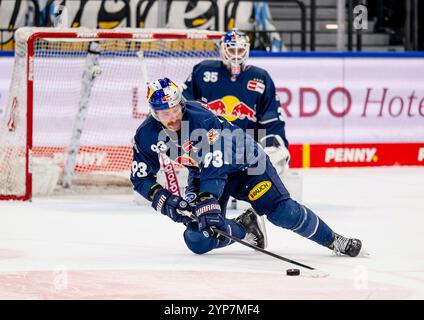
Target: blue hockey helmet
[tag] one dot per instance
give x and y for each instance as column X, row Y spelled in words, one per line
column 235, row 49
column 163, row 94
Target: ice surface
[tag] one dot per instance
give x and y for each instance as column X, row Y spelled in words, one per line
column 109, row 247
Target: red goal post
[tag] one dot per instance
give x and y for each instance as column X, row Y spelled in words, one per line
column 84, row 90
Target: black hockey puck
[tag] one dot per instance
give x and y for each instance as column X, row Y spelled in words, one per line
column 293, row 272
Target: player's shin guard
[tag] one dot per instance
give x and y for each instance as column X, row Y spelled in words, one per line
column 200, row 243
column 291, row 215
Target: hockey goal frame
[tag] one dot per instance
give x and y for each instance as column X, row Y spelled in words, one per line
column 87, row 35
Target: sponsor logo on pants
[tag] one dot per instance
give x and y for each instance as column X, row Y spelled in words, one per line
column 259, row 190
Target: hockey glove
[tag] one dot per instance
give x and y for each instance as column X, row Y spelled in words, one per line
column 168, row 204
column 191, row 198
column 209, row 215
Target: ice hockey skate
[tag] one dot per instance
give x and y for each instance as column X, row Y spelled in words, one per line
column 254, row 231
column 345, row 246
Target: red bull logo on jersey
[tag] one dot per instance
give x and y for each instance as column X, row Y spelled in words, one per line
column 231, row 108
column 186, row 160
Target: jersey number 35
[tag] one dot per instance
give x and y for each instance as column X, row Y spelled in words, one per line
column 210, row 76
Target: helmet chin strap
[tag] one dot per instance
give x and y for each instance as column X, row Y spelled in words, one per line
column 153, row 113
column 182, row 105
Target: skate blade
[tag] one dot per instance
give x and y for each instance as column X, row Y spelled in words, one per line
column 261, row 222
column 362, row 254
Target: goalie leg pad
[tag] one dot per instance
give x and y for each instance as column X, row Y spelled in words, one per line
column 291, row 215
column 200, row 243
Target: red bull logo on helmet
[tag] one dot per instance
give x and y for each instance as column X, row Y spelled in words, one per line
column 231, row 108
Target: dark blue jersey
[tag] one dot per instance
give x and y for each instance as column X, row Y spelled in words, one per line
column 249, row 101
column 211, row 148
column 224, row 161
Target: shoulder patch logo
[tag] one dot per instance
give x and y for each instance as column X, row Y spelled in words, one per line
column 256, row 86
column 259, row 190
column 188, row 146
column 213, row 135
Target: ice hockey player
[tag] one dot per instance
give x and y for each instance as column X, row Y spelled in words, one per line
column 243, row 94
column 222, row 161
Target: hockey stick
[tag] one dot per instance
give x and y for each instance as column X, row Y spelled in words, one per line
column 315, row 272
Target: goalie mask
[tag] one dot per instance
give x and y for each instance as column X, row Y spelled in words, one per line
column 163, row 94
column 235, row 51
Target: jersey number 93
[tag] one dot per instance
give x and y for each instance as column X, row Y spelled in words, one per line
column 139, row 169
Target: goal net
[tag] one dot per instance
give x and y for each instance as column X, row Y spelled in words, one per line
column 76, row 98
